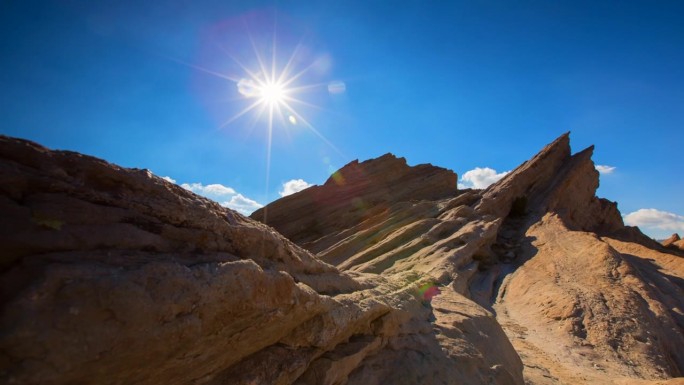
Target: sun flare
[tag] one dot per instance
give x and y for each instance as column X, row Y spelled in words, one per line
column 276, row 89
column 272, row 94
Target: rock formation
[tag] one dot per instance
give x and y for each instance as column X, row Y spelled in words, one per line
column 353, row 193
column 115, row 276
column 386, row 274
column 583, row 298
column 674, row 242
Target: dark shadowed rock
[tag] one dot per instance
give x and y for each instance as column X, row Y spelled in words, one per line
column 115, row 276
column 351, row 195
column 583, row 298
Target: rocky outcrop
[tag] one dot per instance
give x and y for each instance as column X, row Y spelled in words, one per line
column 674, row 242
column 583, row 298
column 555, row 181
column 605, row 303
column 352, row 194
column 390, row 275
column 112, row 275
column 679, row 244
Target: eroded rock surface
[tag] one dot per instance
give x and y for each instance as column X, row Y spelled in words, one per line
column 674, row 242
column 583, row 298
column 115, row 276
column 355, row 192
column 389, row 276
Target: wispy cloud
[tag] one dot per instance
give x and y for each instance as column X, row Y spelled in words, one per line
column 242, row 204
column 224, row 195
column 604, row 170
column 480, row 177
column 214, row 191
column 292, row 186
column 656, row 223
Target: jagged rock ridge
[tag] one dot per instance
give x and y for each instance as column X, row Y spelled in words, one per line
column 113, row 275
column 356, row 191
column 674, row 242
column 583, row 298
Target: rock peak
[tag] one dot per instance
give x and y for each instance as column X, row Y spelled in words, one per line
column 672, row 240
column 375, row 169
column 112, row 275
column 376, row 183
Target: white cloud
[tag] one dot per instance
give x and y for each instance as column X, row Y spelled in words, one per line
column 480, row 177
column 337, row 87
column 217, row 192
column 656, row 223
column 292, row 186
column 226, row 196
column 242, row 204
column 604, row 170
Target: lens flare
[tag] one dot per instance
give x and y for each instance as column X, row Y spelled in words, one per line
column 272, row 93
column 428, row 291
column 275, row 77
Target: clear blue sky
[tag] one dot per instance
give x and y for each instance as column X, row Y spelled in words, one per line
column 461, row 85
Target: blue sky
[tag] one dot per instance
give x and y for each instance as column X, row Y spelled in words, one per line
column 463, row 85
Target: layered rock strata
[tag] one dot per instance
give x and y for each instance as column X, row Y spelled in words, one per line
column 583, row 298
column 354, row 193
column 115, row 276
column 674, row 242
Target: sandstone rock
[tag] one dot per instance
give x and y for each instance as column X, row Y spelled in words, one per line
column 112, row 275
column 115, row 276
column 593, row 297
column 679, row 244
column 352, row 195
column 576, row 291
column 669, row 241
column 674, row 243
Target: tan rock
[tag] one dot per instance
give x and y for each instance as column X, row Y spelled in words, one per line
column 669, row 241
column 112, row 276
column 576, row 291
column 674, row 243
column 354, row 194
column 595, row 302
column 679, row 244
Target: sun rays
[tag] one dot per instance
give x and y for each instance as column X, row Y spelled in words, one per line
column 268, row 81
column 274, row 89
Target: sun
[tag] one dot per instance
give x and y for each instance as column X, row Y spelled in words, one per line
column 273, row 81
column 272, row 93
column 273, row 86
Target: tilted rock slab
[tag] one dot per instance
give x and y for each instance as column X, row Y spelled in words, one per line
column 355, row 192
column 116, row 276
column 583, row 298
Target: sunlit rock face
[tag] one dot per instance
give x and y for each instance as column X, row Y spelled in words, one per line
column 389, row 276
column 353, row 194
column 583, row 298
column 115, row 276
column 674, row 242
